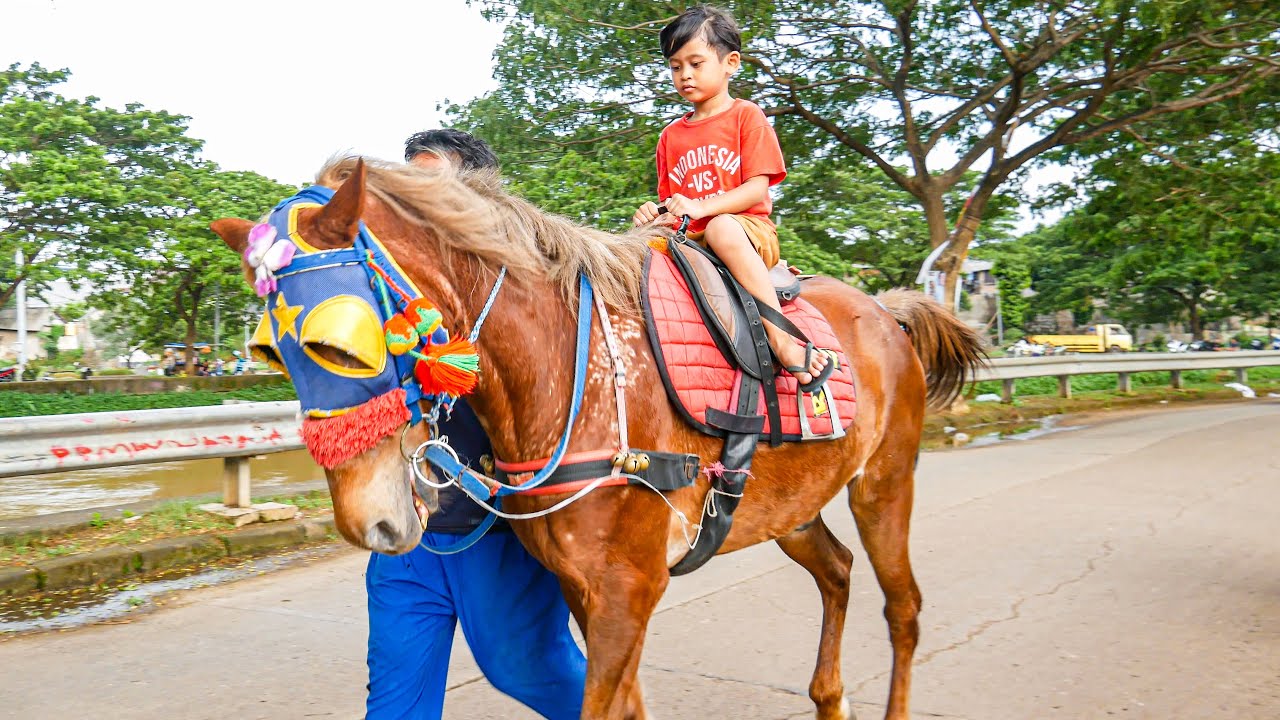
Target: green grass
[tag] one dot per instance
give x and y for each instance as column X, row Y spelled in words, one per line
column 1107, row 381
column 170, row 519
column 20, row 404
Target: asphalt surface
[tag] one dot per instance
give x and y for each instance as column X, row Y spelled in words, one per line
column 1126, row 568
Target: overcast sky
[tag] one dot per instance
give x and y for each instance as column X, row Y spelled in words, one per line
column 273, row 86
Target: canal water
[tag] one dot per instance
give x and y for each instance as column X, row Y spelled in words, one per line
column 82, row 489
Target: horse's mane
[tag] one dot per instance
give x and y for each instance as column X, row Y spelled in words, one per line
column 470, row 212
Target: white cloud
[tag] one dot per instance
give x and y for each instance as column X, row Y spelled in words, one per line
column 273, row 87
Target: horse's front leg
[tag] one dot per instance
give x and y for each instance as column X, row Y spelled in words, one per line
column 618, row 571
column 620, row 602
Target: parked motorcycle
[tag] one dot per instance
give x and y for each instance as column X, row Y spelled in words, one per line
column 1205, row 346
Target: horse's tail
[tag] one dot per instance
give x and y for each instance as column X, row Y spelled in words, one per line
column 950, row 351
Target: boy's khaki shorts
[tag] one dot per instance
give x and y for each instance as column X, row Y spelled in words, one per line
column 762, row 233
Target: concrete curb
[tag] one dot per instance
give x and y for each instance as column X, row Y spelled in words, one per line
column 114, row 563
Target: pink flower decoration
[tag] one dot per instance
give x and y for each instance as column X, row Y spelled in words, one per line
column 260, row 239
column 265, row 255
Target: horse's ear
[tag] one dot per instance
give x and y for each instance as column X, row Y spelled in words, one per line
column 233, row 231
column 339, row 220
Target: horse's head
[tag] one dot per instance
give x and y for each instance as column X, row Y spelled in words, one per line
column 340, row 326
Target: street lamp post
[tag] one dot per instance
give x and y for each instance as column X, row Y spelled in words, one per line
column 22, row 315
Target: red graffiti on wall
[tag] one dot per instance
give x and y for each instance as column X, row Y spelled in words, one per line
column 133, row 448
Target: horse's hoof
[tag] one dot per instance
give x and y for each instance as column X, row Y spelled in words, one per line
column 845, row 712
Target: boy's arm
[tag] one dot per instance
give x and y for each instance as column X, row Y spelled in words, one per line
column 742, row 198
column 648, row 212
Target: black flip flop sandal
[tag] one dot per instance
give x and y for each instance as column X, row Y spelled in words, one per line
column 822, row 377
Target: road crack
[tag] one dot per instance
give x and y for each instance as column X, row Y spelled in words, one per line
column 1015, row 613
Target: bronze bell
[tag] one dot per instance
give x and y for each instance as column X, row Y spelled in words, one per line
column 631, row 464
column 642, row 461
column 619, row 458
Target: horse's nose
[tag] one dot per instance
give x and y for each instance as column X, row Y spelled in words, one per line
column 392, row 538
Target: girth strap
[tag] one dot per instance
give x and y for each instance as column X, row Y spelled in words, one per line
column 727, row 486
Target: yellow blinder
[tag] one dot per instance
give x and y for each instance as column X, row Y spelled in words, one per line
column 262, row 347
column 344, row 336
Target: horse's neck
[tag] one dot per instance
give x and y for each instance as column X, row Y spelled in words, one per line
column 527, row 347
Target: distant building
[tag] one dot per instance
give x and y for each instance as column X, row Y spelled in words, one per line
column 978, row 279
column 39, row 318
column 42, row 314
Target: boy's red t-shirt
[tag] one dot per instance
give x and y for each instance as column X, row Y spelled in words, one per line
column 701, row 158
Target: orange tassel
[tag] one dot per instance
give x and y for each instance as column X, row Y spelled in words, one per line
column 450, row 369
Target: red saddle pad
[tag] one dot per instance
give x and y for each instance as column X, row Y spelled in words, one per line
column 698, row 376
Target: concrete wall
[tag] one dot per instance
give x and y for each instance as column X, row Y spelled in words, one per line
column 143, row 384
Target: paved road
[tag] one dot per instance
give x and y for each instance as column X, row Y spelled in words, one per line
column 1127, row 568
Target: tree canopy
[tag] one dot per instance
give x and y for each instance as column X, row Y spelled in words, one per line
column 166, row 288
column 1164, row 240
column 928, row 94
column 73, row 172
column 120, row 198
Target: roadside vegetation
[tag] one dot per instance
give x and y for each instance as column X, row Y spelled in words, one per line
column 1037, row 399
column 170, row 519
column 20, row 404
column 1263, row 376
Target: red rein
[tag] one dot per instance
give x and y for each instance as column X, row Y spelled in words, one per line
column 335, row 440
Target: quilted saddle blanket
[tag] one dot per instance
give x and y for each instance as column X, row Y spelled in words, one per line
column 697, row 375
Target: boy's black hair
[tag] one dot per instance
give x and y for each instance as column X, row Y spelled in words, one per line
column 472, row 152
column 712, row 24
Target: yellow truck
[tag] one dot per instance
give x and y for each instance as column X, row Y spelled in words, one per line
column 1097, row 338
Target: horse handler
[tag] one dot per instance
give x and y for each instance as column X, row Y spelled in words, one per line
column 511, row 609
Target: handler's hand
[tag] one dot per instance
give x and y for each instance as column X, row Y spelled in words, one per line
column 680, row 205
column 647, row 213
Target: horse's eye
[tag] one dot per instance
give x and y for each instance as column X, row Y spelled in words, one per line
column 344, row 336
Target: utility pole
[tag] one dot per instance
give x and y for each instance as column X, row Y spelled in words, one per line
column 999, row 317
column 217, row 322
column 22, row 316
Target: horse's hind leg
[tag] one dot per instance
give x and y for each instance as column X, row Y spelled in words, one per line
column 828, row 561
column 881, row 503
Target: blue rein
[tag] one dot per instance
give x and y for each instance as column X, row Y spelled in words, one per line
column 448, row 464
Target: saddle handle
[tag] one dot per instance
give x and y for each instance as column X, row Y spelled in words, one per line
column 684, row 220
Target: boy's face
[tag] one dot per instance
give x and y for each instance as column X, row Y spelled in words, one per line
column 698, row 71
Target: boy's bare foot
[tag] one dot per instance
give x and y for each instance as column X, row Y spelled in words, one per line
column 793, row 360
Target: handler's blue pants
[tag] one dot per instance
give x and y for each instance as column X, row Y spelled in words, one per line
column 513, row 617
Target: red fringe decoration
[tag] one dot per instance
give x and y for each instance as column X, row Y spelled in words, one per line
column 333, row 441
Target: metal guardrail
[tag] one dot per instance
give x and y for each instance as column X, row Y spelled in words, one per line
column 61, row 443
column 1009, row 370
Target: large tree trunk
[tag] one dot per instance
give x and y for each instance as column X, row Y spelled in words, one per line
column 190, row 314
column 952, row 259
column 1194, row 319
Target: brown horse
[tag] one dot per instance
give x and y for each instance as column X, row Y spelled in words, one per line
column 612, row 549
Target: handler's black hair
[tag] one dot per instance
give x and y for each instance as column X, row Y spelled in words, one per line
column 472, row 152
column 712, row 24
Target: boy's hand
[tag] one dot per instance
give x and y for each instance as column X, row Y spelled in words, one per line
column 647, row 213
column 680, row 205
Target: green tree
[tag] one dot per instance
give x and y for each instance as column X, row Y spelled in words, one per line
column 164, row 287
column 73, row 173
column 1161, row 239
column 946, row 88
